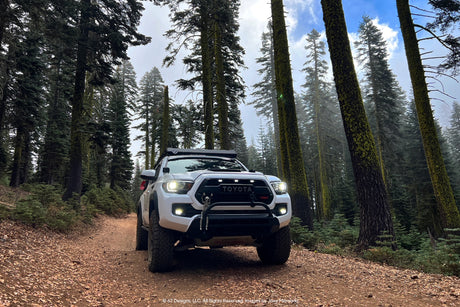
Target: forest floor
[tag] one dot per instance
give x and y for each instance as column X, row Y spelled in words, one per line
column 100, row 267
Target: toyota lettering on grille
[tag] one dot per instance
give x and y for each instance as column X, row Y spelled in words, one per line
column 236, row 188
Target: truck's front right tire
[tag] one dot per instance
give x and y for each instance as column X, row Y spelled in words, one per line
column 160, row 246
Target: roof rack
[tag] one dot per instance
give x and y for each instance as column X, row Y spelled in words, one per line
column 205, row 152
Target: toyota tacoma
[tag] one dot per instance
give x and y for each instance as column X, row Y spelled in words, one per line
column 198, row 197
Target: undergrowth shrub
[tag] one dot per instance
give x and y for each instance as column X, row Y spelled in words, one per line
column 44, row 206
column 330, row 237
column 108, row 201
column 414, row 250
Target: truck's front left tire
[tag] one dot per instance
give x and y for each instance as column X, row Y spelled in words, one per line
column 160, row 246
column 276, row 248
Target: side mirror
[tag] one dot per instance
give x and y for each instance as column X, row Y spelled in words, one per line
column 148, row 174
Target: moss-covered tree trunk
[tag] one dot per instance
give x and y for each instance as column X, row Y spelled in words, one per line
column 165, row 122
column 375, row 214
column 206, row 76
column 74, row 182
column 276, row 126
column 450, row 217
column 222, row 105
column 293, row 170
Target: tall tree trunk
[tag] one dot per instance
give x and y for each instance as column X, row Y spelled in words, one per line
column 19, row 152
column 224, row 134
column 450, row 217
column 372, row 196
column 206, row 77
column 325, row 199
column 276, row 126
column 74, row 183
column 165, row 122
column 148, row 162
column 289, row 133
column 3, row 18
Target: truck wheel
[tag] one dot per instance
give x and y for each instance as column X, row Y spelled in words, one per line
column 141, row 234
column 160, row 246
column 276, row 248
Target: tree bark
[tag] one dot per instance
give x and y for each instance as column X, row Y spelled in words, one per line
column 206, row 78
column 222, row 105
column 372, row 196
column 450, row 217
column 165, row 122
column 74, row 184
column 3, row 18
column 291, row 152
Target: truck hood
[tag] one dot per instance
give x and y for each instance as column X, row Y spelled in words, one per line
column 193, row 176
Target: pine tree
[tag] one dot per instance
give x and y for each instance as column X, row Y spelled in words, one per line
column 422, row 203
column 27, row 103
column 372, row 197
column 449, row 213
column 265, row 90
column 108, row 27
column 384, row 100
column 188, row 118
column 447, row 18
column 317, row 91
column 148, row 111
column 453, row 136
column 124, row 93
column 165, row 122
column 210, row 20
column 53, row 156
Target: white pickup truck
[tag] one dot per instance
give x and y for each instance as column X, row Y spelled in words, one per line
column 197, row 197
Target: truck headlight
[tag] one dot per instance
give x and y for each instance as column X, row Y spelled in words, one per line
column 177, row 186
column 280, row 187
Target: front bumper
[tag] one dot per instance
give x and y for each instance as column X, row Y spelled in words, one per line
column 224, row 215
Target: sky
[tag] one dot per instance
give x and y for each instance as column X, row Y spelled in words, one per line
column 302, row 16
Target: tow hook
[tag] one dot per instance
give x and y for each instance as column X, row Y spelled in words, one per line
column 207, row 203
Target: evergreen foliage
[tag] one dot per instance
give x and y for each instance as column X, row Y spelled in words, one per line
column 215, row 64
column 148, row 111
column 124, row 93
column 323, row 137
column 265, row 90
column 384, row 104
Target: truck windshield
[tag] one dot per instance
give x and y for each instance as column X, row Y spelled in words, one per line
column 197, row 164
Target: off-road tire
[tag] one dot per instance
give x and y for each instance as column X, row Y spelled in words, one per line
column 276, row 248
column 142, row 235
column 160, row 246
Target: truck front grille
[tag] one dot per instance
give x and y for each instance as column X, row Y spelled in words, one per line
column 234, row 191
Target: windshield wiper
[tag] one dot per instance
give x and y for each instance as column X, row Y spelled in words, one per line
column 224, row 170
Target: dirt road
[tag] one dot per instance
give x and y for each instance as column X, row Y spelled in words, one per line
column 101, row 268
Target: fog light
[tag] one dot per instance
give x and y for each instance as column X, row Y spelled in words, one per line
column 179, row 211
column 280, row 209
